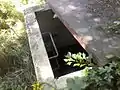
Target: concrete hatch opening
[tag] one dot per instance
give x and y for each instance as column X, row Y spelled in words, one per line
column 58, row 42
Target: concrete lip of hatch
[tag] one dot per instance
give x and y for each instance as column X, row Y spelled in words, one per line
column 39, row 55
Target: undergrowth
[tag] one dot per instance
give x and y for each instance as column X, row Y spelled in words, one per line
column 16, row 69
column 105, row 77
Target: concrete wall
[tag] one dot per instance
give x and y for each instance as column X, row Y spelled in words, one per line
column 47, row 23
column 39, row 55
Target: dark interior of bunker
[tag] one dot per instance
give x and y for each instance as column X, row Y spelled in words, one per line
column 58, row 42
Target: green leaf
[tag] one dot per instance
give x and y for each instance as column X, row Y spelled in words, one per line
column 77, row 64
column 79, row 57
column 74, row 56
column 66, row 60
column 84, row 56
column 82, row 65
column 69, row 54
column 69, row 63
column 80, row 54
column 71, row 59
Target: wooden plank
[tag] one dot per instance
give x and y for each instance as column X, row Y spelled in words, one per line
column 84, row 18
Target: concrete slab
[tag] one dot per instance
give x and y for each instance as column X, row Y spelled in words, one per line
column 84, row 19
column 61, row 81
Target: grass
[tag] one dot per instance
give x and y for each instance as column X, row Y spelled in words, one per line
column 16, row 69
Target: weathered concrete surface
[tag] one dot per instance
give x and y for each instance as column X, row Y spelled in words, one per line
column 84, row 19
column 61, row 82
column 41, row 62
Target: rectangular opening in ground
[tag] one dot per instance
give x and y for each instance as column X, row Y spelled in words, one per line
column 63, row 39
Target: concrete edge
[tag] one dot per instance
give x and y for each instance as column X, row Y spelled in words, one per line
column 40, row 59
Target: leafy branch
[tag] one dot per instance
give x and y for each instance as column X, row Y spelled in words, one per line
column 79, row 59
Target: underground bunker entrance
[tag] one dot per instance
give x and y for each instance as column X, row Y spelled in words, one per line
column 58, row 42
